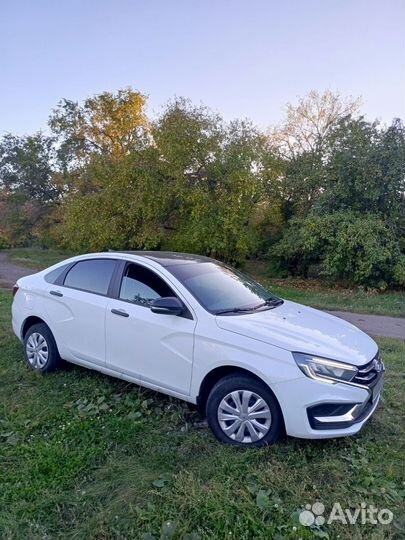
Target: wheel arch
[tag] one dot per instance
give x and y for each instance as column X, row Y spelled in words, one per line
column 213, row 376
column 30, row 321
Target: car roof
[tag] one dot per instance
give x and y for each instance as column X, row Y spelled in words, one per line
column 169, row 258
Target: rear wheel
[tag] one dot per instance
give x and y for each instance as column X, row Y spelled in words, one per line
column 242, row 410
column 40, row 350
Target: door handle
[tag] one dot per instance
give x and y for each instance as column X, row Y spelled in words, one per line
column 56, row 293
column 120, row 312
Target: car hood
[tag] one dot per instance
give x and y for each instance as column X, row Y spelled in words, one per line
column 300, row 328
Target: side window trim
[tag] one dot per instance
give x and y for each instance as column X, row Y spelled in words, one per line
column 118, row 276
column 62, row 277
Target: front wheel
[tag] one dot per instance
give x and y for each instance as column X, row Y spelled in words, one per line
column 243, row 411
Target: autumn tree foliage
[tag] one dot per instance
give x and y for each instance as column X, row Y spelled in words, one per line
column 325, row 188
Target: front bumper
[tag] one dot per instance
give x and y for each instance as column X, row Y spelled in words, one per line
column 318, row 410
column 339, row 416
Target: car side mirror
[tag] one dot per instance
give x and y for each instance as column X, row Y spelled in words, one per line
column 168, row 305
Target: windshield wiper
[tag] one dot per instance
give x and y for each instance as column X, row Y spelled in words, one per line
column 233, row 310
column 270, row 302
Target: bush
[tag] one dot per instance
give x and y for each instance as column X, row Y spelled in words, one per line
column 358, row 249
column 4, row 243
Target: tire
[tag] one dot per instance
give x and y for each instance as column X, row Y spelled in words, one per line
column 40, row 350
column 241, row 392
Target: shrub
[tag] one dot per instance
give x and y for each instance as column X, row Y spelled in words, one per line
column 4, row 243
column 358, row 249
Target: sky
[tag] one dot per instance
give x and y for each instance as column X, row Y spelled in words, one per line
column 241, row 58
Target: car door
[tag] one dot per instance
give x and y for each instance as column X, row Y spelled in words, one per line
column 76, row 305
column 153, row 348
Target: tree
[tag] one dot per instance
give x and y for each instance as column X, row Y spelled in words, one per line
column 216, row 173
column 355, row 231
column 195, row 187
column 27, row 186
column 109, row 123
column 300, row 143
column 125, row 212
column 365, row 170
column 308, row 124
column 26, row 166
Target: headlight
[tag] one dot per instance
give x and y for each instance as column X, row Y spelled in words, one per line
column 321, row 368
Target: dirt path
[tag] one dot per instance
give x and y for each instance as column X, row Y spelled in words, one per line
column 375, row 325
column 10, row 272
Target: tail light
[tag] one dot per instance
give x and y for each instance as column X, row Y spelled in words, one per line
column 15, row 289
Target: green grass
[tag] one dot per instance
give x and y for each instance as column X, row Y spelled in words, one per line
column 317, row 294
column 85, row 456
column 38, row 258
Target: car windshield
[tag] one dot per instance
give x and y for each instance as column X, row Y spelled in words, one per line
column 220, row 289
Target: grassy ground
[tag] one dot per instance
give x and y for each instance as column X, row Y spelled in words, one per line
column 310, row 292
column 37, row 258
column 89, row 457
column 317, row 294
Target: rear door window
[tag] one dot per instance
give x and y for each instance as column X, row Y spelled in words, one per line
column 92, row 275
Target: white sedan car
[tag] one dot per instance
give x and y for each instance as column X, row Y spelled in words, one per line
column 196, row 329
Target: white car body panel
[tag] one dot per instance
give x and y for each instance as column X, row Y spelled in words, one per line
column 75, row 312
column 174, row 354
column 156, row 349
column 301, row 328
